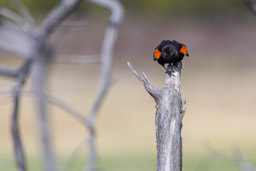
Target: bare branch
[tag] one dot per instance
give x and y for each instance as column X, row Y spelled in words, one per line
column 136, row 74
column 82, row 119
column 117, row 10
column 9, row 73
column 18, row 149
column 29, row 22
column 16, row 41
column 151, row 89
column 40, row 67
column 19, row 152
column 56, row 16
column 146, row 78
column 12, row 16
column 59, row 103
column 16, row 72
column 108, row 44
column 68, row 109
column 91, row 165
column 42, row 56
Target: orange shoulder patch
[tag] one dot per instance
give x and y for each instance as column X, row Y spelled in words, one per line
column 184, row 50
column 157, row 54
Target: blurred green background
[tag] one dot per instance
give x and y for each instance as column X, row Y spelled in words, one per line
column 218, row 81
column 151, row 7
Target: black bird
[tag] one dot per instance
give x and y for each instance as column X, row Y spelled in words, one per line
column 169, row 52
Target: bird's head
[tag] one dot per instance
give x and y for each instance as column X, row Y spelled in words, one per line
column 156, row 54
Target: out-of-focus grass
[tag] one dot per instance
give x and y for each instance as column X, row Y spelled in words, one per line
column 134, row 162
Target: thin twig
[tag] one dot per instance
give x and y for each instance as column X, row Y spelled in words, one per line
column 16, row 41
column 116, row 9
column 135, row 73
column 15, row 73
column 62, row 105
column 108, row 44
column 146, row 78
column 56, row 102
column 18, row 149
column 74, row 156
column 12, row 16
column 29, row 21
column 53, row 19
column 19, row 152
column 9, row 73
column 154, row 91
column 56, row 16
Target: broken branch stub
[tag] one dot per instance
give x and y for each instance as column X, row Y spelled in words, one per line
column 168, row 119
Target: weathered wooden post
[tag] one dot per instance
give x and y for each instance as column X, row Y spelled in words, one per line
column 168, row 119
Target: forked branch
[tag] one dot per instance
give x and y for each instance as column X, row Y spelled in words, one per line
column 154, row 91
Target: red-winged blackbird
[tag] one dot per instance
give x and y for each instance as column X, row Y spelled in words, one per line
column 169, row 52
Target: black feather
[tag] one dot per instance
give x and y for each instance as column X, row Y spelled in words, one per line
column 170, row 52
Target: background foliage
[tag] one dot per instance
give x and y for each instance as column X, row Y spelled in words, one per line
column 152, row 7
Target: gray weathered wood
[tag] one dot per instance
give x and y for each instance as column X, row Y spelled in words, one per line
column 168, row 119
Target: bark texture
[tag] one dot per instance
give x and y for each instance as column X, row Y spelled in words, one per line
column 168, row 119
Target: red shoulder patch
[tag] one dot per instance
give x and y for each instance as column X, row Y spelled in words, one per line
column 157, row 54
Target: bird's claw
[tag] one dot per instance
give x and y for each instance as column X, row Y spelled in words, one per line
column 170, row 73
